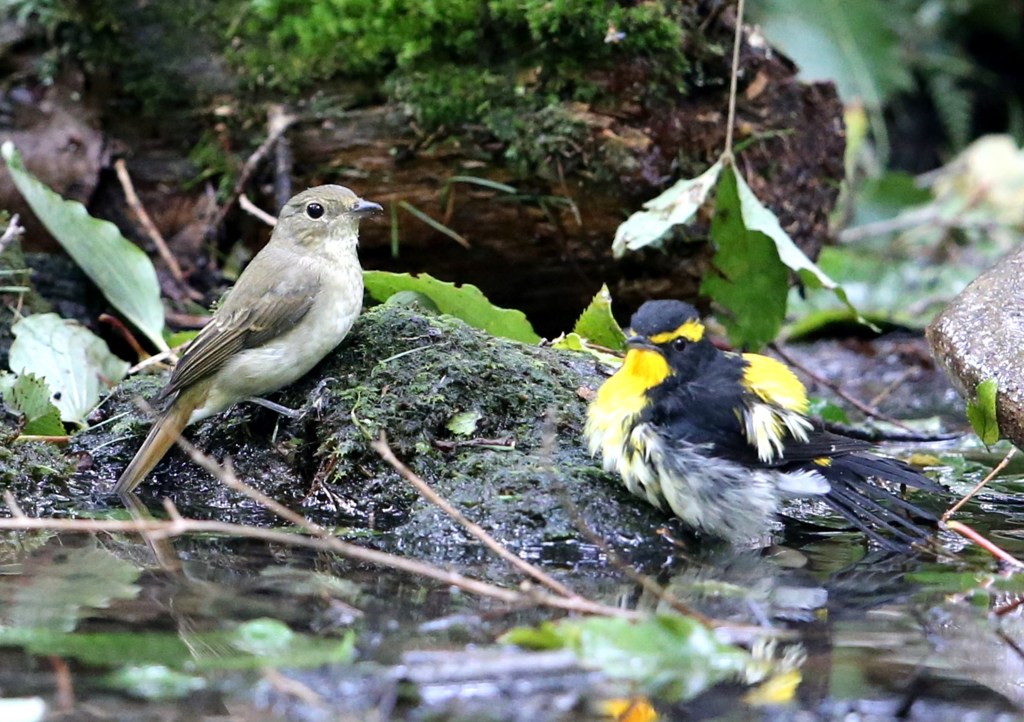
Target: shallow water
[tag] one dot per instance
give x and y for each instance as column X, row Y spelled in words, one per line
column 104, row 627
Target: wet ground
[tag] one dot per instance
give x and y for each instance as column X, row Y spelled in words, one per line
column 109, row 627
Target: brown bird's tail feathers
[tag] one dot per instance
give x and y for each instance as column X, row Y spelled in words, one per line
column 166, row 430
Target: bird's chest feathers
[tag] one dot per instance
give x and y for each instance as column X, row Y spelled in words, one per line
column 285, row 358
column 623, row 397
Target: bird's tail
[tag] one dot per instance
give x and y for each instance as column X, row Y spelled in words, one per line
column 166, row 430
column 862, row 491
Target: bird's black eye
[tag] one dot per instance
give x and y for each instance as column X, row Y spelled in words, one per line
column 314, row 210
column 679, row 344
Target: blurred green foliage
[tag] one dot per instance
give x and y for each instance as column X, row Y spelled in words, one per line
column 879, row 50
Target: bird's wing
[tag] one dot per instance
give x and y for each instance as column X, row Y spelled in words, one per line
column 237, row 326
column 751, row 412
column 819, row 445
column 774, row 383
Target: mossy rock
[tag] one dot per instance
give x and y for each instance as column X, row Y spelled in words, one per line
column 35, row 472
column 408, row 374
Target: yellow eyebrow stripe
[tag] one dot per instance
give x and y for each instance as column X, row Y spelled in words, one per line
column 691, row 330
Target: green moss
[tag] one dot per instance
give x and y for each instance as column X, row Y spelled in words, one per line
column 451, row 94
column 31, row 470
column 493, row 63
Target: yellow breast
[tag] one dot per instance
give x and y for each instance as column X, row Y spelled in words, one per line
column 620, row 400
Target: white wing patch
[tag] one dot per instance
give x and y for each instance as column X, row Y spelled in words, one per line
column 766, row 428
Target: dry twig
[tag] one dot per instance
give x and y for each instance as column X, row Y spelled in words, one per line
column 254, row 210
column 969, row 533
column 225, row 474
column 981, row 484
column 278, row 121
column 152, row 231
column 382, row 448
column 835, row 388
column 14, row 230
column 548, row 441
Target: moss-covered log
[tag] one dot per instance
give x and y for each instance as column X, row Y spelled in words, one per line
column 587, row 109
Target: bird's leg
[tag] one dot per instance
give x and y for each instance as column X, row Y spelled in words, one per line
column 283, row 410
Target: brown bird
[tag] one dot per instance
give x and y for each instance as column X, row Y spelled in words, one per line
column 295, row 301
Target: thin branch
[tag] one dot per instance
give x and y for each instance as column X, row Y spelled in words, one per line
column 645, row 581
column 278, row 121
column 548, row 440
column 888, row 390
column 835, row 388
column 737, row 42
column 999, row 553
column 323, row 540
column 14, row 230
column 981, row 484
column 382, row 448
column 151, row 230
column 125, row 332
column 254, row 210
column 12, row 504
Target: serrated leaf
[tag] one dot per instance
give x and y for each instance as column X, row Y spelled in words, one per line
column 76, row 364
column 597, row 324
column 748, row 279
column 981, row 411
column 120, row 269
column 753, row 259
column 466, row 302
column 575, row 342
column 758, row 218
column 29, row 396
column 675, row 206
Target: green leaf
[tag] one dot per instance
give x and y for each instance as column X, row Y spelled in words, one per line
column 263, row 637
column 672, row 656
column 598, row 325
column 29, row 396
column 753, row 259
column 676, row 205
column 981, row 412
column 198, row 651
column 883, row 197
column 466, row 302
column 155, row 682
column 758, row 218
column 575, row 342
column 827, row 411
column 464, row 424
column 120, row 269
column 76, row 364
column 748, row 279
column 58, row 595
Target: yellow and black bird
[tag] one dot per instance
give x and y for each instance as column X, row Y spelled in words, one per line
column 722, row 438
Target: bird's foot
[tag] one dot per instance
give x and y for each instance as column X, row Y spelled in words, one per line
column 283, row 410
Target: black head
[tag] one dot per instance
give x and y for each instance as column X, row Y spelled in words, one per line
column 660, row 317
column 671, row 328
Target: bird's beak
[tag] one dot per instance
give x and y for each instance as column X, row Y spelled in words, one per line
column 640, row 342
column 366, row 208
